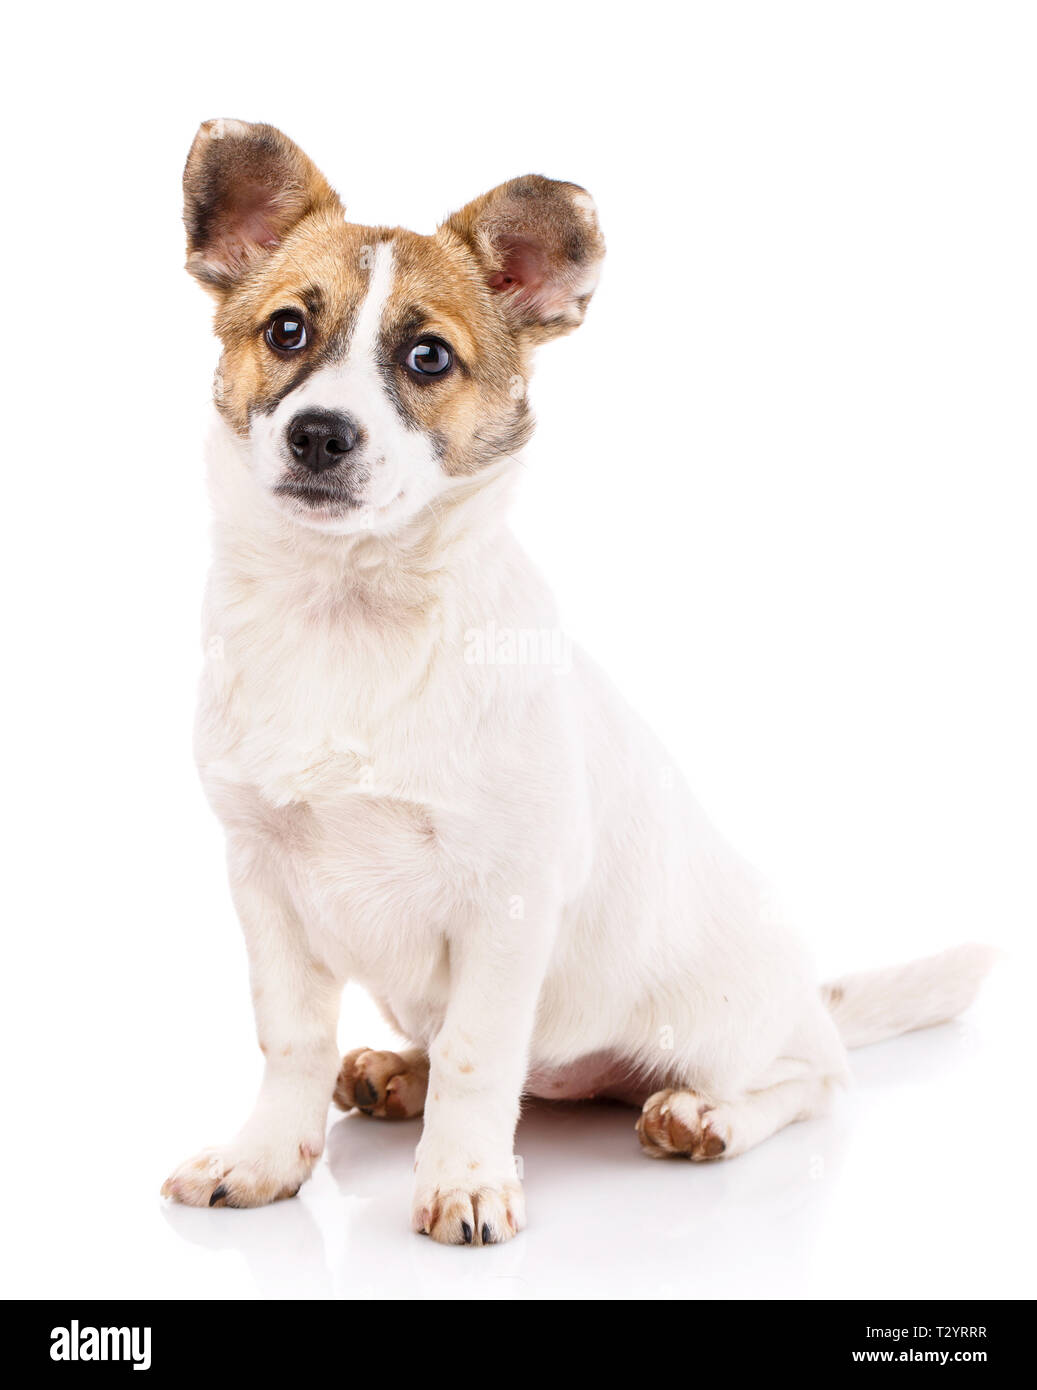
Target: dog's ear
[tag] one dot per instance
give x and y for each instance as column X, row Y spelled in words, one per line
column 539, row 248
column 245, row 187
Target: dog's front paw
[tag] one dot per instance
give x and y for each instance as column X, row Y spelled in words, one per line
column 469, row 1212
column 242, row 1175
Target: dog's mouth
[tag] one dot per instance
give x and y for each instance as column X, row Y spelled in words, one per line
column 323, row 502
column 316, row 497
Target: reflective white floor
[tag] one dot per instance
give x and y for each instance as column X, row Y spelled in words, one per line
column 919, row 1185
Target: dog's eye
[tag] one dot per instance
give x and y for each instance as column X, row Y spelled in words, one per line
column 286, row 332
column 429, row 357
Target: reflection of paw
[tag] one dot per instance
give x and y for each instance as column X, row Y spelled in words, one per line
column 384, row 1084
column 679, row 1124
column 240, row 1175
column 470, row 1213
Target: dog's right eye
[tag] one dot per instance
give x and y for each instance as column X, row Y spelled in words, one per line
column 286, row 332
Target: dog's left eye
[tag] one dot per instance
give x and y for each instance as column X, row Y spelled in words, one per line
column 286, row 332
column 429, row 357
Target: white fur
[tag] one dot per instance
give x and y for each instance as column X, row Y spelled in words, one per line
column 500, row 852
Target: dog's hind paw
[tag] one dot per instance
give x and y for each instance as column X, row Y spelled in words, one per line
column 387, row 1085
column 680, row 1124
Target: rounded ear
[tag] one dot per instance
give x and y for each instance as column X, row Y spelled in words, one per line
column 540, row 249
column 245, row 187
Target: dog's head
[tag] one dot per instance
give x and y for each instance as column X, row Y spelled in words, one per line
column 368, row 367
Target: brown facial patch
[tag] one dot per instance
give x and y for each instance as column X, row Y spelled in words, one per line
column 321, row 271
column 478, row 410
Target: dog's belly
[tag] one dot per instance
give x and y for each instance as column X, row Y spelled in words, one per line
column 598, row 1076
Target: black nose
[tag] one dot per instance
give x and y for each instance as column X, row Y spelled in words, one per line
column 320, row 439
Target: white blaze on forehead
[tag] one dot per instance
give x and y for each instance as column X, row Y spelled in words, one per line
column 355, row 384
column 364, row 340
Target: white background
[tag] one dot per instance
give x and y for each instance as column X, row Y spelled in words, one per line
column 784, row 485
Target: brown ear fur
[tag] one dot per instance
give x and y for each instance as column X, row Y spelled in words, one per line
column 540, row 249
column 245, row 187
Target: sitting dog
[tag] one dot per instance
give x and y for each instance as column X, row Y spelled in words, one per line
column 498, row 850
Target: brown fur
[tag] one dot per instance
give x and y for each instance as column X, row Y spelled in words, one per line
column 244, row 187
column 387, row 1085
column 663, row 1134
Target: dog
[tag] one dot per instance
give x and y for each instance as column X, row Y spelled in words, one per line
column 497, row 849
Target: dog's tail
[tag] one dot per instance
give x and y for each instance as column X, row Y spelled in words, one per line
column 882, row 1003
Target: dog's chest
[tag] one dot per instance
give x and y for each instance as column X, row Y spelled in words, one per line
column 307, row 746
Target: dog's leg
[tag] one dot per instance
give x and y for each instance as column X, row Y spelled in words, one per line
column 387, row 1085
column 296, row 1005
column 467, row 1190
column 685, row 1124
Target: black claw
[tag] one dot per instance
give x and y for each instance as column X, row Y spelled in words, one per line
column 466, row 1232
column 487, row 1234
column 218, row 1193
column 365, row 1093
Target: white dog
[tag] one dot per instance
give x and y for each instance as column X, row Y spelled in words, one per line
column 496, row 849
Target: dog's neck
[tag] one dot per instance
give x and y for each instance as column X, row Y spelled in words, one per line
column 383, row 575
